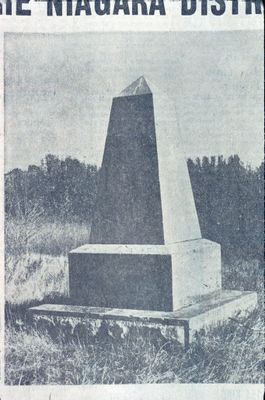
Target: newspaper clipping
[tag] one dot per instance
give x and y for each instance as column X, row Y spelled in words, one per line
column 132, row 199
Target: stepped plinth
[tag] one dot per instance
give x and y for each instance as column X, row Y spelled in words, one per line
column 146, row 256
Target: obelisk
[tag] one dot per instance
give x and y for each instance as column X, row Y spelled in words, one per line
column 146, row 250
column 146, row 266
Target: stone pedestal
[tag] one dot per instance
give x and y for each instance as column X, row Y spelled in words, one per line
column 144, row 277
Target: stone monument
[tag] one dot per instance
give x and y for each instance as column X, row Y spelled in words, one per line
column 146, row 264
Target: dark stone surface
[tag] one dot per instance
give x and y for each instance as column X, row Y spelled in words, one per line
column 102, row 329
column 128, row 207
column 128, row 281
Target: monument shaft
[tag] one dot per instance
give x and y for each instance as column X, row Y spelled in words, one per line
column 128, row 208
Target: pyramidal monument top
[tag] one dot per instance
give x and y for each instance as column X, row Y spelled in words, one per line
column 136, row 88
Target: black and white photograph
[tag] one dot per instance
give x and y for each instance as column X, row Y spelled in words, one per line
column 134, row 208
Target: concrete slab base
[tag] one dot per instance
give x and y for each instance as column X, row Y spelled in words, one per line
column 180, row 325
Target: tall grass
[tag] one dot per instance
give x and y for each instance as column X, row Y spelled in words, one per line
column 232, row 354
column 36, row 267
column 35, row 276
column 42, row 236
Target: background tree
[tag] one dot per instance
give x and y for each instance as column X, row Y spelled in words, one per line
column 228, row 197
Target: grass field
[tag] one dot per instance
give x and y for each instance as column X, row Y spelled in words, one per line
column 36, row 269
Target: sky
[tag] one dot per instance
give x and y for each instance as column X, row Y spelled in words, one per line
column 59, row 89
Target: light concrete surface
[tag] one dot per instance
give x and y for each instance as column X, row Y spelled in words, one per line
column 180, row 220
column 196, row 270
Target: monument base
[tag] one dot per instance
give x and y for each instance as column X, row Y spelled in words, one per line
column 180, row 325
column 144, row 277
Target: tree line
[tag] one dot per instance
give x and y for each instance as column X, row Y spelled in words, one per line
column 57, row 189
column 228, row 197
